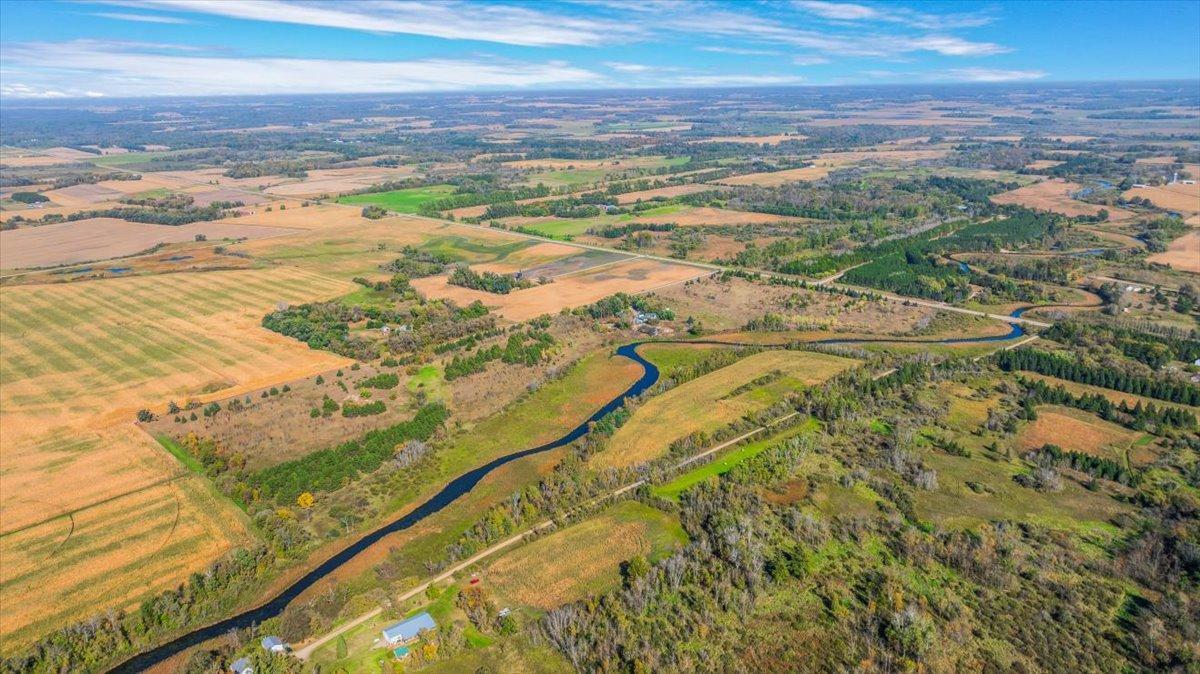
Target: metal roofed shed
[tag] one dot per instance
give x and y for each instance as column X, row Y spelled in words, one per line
column 241, row 666
column 407, row 630
column 274, row 644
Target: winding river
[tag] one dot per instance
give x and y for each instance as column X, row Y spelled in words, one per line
column 462, row 485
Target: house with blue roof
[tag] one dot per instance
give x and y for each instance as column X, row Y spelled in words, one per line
column 408, row 630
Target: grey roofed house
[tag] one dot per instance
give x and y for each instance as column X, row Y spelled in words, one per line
column 274, row 644
column 407, row 630
column 241, row 666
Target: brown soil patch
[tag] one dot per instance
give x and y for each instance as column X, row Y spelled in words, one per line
column 1055, row 195
column 704, row 215
column 107, row 238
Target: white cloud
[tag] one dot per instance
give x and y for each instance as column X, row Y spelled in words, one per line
column 803, row 60
column 853, row 12
column 994, row 75
column 20, row 90
column 454, row 20
column 628, row 67
column 842, row 11
column 141, row 18
column 953, row 46
column 117, row 69
column 735, row 80
column 738, row 50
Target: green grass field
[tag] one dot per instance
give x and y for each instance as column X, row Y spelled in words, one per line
column 563, row 228
column 725, row 462
column 402, row 201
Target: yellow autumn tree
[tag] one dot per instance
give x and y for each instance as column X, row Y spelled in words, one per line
column 305, row 500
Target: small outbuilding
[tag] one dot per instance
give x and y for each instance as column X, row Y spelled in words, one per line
column 241, row 666
column 408, row 630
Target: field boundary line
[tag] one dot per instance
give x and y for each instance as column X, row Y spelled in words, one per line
column 109, row 499
column 623, row 260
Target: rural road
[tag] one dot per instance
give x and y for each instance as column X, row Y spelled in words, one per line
column 306, row 651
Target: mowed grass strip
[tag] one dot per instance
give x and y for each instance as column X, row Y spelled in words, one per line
column 701, row 405
column 727, row 461
column 584, row 559
column 402, row 201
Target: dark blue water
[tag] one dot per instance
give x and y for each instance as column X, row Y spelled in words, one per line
column 450, row 493
column 464, row 484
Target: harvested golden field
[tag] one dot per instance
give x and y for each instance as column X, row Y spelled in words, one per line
column 83, row 195
column 704, row 404
column 775, row 178
column 1043, row 164
column 633, row 276
column 704, row 215
column 1183, row 253
column 1176, row 197
column 296, row 216
column 111, row 555
column 583, row 559
column 1055, row 195
column 662, row 192
column 1077, row 431
column 106, row 238
column 830, row 161
column 352, row 246
column 339, row 180
column 618, row 164
column 77, row 360
column 773, row 139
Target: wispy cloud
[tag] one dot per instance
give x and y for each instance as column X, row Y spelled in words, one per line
column 628, row 67
column 809, row 60
column 737, row 50
column 119, row 69
column 488, row 22
column 994, row 75
column 956, row 75
column 891, row 13
column 141, row 18
column 736, row 80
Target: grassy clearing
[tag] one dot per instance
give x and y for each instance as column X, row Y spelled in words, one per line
column 129, row 158
column 670, row 358
column 583, row 559
column 181, row 454
column 704, row 404
column 727, row 461
column 1078, row 431
column 402, row 201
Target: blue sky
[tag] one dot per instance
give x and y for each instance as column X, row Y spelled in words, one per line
column 227, row 47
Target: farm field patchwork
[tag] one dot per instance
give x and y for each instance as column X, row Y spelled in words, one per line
column 633, row 276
